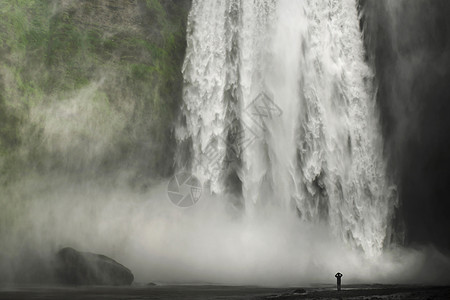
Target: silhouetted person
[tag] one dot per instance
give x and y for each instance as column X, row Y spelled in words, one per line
column 338, row 277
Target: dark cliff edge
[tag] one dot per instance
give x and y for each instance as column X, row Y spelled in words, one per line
column 408, row 44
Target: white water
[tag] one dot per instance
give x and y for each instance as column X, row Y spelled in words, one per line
column 323, row 154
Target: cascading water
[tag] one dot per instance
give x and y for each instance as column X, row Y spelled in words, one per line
column 288, row 80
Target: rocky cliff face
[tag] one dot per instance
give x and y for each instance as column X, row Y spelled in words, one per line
column 89, row 91
column 105, row 74
column 407, row 43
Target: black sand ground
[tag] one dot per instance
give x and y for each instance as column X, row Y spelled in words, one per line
column 361, row 292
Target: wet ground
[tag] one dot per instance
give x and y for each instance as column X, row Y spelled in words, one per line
column 365, row 292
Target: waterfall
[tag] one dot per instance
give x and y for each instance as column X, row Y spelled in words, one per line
column 279, row 93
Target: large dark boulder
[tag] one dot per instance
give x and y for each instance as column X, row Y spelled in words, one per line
column 83, row 268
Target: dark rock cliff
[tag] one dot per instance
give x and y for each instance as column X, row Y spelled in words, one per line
column 66, row 64
column 408, row 44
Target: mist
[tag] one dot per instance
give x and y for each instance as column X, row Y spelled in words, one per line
column 210, row 243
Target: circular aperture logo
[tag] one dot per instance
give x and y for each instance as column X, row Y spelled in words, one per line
column 184, row 189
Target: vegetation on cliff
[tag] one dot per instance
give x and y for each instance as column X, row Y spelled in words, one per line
column 90, row 86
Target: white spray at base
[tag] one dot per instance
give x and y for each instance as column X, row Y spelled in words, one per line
column 314, row 145
column 203, row 244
